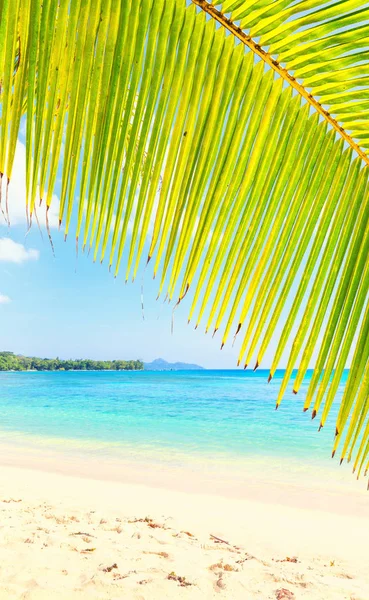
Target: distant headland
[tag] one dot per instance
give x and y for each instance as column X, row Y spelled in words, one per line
column 17, row 362
column 159, row 364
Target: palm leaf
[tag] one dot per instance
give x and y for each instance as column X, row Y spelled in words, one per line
column 239, row 169
column 318, row 46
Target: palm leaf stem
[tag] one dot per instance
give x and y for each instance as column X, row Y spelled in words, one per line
column 277, row 67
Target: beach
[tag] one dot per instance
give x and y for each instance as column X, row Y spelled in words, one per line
column 64, row 536
column 178, row 485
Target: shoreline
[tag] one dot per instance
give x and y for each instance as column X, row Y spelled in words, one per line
column 141, row 497
column 284, row 483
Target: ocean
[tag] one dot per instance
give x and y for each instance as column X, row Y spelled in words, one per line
column 217, row 416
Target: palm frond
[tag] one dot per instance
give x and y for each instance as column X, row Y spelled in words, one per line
column 320, row 45
column 178, row 145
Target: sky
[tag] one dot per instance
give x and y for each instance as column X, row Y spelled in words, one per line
column 72, row 308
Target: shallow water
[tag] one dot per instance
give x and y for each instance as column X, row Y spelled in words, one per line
column 220, row 416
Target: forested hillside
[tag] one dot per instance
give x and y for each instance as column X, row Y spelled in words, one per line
column 14, row 362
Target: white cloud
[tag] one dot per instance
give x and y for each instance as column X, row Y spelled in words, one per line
column 11, row 251
column 17, row 195
column 4, row 299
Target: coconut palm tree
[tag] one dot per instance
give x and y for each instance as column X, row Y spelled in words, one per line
column 227, row 144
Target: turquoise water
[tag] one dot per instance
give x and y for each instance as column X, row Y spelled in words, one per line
column 227, row 415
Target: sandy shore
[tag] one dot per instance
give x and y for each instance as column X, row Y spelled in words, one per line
column 73, row 537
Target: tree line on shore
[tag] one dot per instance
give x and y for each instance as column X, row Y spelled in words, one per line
column 14, row 362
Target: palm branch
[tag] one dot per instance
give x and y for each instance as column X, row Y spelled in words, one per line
column 225, row 143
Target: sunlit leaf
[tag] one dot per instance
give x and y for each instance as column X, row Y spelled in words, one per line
column 227, row 145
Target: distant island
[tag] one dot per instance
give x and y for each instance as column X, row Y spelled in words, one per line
column 16, row 362
column 159, row 364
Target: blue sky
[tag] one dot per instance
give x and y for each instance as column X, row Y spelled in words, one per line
column 62, row 308
column 58, row 306
column 71, row 308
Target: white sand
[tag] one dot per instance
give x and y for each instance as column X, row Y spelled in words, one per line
column 69, row 537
